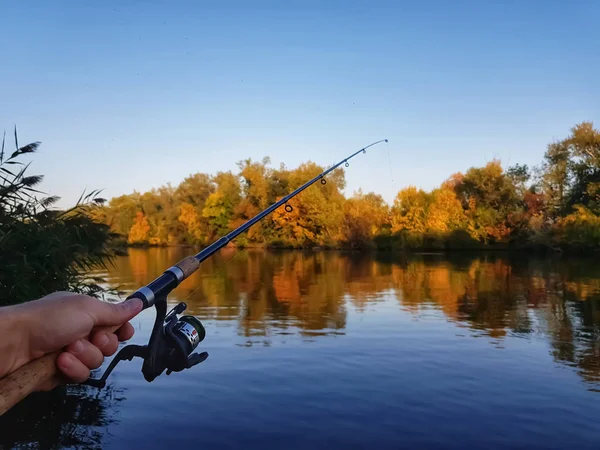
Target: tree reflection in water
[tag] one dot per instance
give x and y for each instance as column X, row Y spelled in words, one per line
column 267, row 294
column 74, row 417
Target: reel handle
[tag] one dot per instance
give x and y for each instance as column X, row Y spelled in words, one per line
column 17, row 385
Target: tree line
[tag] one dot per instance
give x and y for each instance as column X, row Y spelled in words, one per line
column 553, row 205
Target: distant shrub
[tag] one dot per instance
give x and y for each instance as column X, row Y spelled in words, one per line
column 277, row 243
column 461, row 240
column 581, row 228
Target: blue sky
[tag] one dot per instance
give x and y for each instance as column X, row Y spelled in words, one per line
column 133, row 95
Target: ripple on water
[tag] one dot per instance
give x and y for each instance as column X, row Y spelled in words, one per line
column 426, row 352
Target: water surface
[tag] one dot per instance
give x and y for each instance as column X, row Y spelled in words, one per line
column 330, row 350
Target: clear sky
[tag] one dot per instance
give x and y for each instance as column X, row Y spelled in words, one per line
column 131, row 95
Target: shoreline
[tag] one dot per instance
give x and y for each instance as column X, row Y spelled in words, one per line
column 538, row 249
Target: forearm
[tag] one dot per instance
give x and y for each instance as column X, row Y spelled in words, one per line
column 14, row 340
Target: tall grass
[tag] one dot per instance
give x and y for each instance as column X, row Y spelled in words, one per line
column 43, row 249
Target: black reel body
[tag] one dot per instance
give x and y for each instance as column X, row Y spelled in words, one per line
column 170, row 348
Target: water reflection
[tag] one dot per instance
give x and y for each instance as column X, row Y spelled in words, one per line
column 272, row 293
column 265, row 297
column 73, row 417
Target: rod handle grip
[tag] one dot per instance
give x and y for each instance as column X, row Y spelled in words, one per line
column 29, row 378
column 26, row 379
column 188, row 266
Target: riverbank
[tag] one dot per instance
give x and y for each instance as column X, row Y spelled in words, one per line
column 391, row 246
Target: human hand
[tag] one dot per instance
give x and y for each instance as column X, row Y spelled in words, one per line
column 79, row 326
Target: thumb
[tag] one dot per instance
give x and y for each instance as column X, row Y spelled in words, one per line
column 110, row 314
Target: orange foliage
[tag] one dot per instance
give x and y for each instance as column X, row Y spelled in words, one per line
column 445, row 212
column 409, row 210
column 191, row 219
column 138, row 234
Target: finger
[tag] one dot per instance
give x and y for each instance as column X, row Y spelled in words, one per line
column 72, row 368
column 109, row 314
column 125, row 332
column 106, row 342
column 87, row 353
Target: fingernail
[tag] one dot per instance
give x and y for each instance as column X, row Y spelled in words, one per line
column 66, row 361
column 133, row 304
column 77, row 346
column 102, row 340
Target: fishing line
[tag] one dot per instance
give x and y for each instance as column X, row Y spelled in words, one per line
column 387, row 146
column 392, row 183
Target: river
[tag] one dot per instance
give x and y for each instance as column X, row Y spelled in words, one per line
column 327, row 350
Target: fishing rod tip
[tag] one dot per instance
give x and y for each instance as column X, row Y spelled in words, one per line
column 386, row 141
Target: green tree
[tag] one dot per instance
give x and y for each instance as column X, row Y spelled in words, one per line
column 520, row 176
column 490, row 197
column 570, row 173
column 255, row 196
column 195, row 189
column 121, row 211
column 584, row 146
column 219, row 208
column 555, row 177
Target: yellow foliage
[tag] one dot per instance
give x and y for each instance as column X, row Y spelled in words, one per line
column 581, row 216
column 138, row 233
column 581, row 227
column 364, row 217
column 290, row 224
column 189, row 217
column 409, row 210
column 445, row 212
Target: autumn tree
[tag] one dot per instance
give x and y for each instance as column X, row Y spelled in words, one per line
column 487, row 204
column 138, row 234
column 584, row 149
column 120, row 213
column 570, row 172
column 520, row 175
column 489, row 196
column 317, row 213
column 555, row 177
column 255, row 196
column 445, row 212
column 409, row 211
column 194, row 190
column 365, row 216
column 219, row 208
column 194, row 228
column 160, row 207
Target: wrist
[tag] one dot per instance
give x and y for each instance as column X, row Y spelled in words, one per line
column 14, row 345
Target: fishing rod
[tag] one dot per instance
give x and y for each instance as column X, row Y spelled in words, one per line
column 173, row 339
column 184, row 268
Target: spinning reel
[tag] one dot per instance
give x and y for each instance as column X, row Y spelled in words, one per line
column 170, row 348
